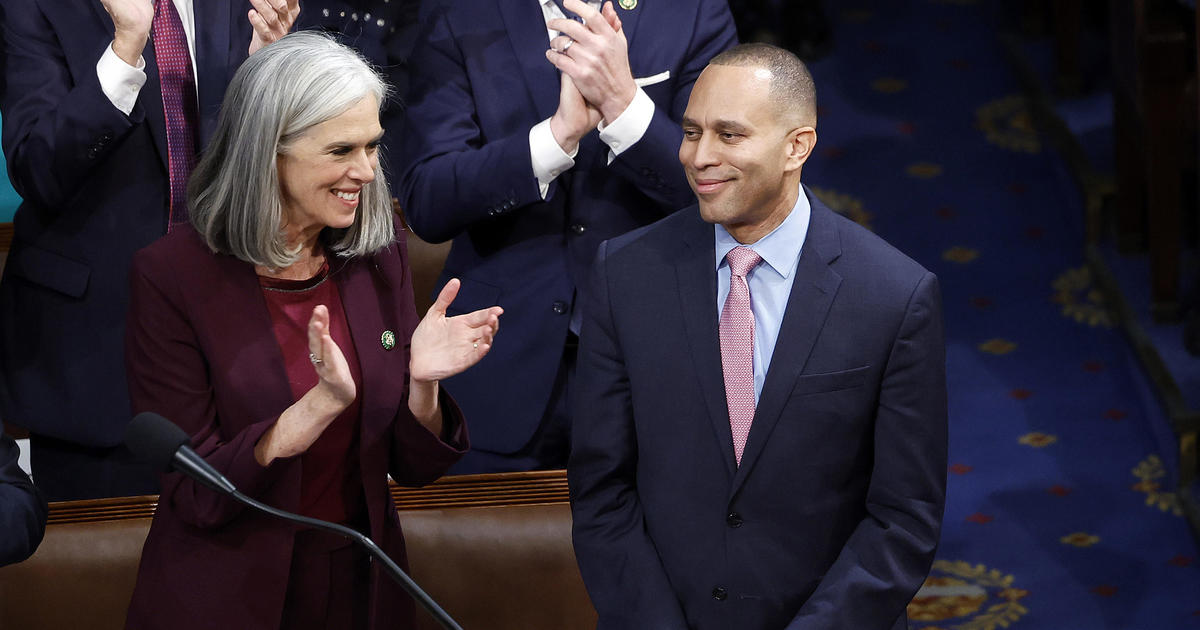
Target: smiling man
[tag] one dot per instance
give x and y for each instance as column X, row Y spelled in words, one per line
column 760, row 433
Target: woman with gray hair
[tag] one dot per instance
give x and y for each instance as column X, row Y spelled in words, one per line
column 279, row 331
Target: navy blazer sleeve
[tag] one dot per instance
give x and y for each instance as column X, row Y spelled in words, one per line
column 452, row 175
column 58, row 124
column 22, row 508
column 620, row 565
column 886, row 559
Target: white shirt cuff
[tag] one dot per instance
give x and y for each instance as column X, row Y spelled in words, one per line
column 120, row 81
column 629, row 127
column 549, row 160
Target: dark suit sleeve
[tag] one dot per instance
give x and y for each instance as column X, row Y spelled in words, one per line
column 889, row 554
column 22, row 508
column 652, row 163
column 451, row 176
column 57, row 125
column 620, row 565
column 168, row 375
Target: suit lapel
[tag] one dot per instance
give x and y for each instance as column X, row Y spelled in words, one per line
column 368, row 317
column 526, row 28
column 813, row 289
column 249, row 327
column 696, row 272
column 213, row 52
column 629, row 22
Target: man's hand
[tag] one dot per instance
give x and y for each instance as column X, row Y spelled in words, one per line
column 597, row 59
column 131, row 22
column 271, row 20
column 574, row 118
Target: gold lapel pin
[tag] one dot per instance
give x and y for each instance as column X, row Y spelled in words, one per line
column 388, row 339
column 628, row 5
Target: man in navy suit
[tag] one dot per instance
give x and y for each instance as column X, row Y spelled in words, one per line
column 528, row 139
column 760, row 430
column 22, row 508
column 86, row 142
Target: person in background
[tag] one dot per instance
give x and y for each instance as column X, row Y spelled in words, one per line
column 278, row 330
column 22, row 508
column 105, row 104
column 760, row 428
column 528, row 139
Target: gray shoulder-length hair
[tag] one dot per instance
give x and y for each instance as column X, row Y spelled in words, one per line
column 278, row 94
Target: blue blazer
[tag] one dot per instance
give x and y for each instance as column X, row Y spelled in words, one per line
column 832, row 519
column 481, row 81
column 22, row 508
column 95, row 185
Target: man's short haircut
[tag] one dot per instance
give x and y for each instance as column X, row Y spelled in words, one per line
column 792, row 87
column 278, row 94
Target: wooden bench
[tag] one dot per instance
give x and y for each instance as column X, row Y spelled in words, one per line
column 494, row 550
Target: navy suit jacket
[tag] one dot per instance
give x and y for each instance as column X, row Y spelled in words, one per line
column 481, row 81
column 832, row 518
column 94, row 183
column 22, row 508
column 202, row 352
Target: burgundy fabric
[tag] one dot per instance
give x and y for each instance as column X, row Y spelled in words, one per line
column 737, row 347
column 327, row 588
column 330, row 484
column 178, row 86
column 200, row 351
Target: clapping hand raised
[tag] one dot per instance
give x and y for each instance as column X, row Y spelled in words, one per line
column 271, row 20
column 444, row 346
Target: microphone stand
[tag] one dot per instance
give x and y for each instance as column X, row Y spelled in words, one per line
column 393, row 569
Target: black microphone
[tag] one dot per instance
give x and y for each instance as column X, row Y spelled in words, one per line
column 162, row 444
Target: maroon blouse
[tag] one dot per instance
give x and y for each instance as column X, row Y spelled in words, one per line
column 331, row 482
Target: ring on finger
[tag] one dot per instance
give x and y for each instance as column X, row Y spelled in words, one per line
column 315, row 361
column 563, row 50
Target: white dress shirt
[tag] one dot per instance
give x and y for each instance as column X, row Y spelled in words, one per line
column 122, row 82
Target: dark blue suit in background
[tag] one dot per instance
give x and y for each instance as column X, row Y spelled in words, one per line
column 95, row 184
column 22, row 508
column 832, row 518
column 480, row 82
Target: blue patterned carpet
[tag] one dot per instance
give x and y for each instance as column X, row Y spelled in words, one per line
column 1058, row 515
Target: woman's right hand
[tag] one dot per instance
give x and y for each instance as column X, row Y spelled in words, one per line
column 328, row 361
column 301, row 424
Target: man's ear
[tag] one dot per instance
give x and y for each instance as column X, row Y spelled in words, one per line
column 800, row 144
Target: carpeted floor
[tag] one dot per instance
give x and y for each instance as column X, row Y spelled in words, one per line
column 1058, row 516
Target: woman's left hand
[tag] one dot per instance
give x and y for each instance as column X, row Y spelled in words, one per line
column 444, row 346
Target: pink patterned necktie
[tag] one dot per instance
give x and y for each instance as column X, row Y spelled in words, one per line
column 737, row 347
column 179, row 103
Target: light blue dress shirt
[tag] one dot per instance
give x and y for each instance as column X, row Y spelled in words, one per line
column 770, row 281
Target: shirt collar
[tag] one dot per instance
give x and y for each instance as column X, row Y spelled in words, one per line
column 781, row 247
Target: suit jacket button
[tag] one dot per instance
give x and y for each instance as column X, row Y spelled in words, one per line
column 734, row 519
column 719, row 593
column 559, row 307
column 578, row 228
